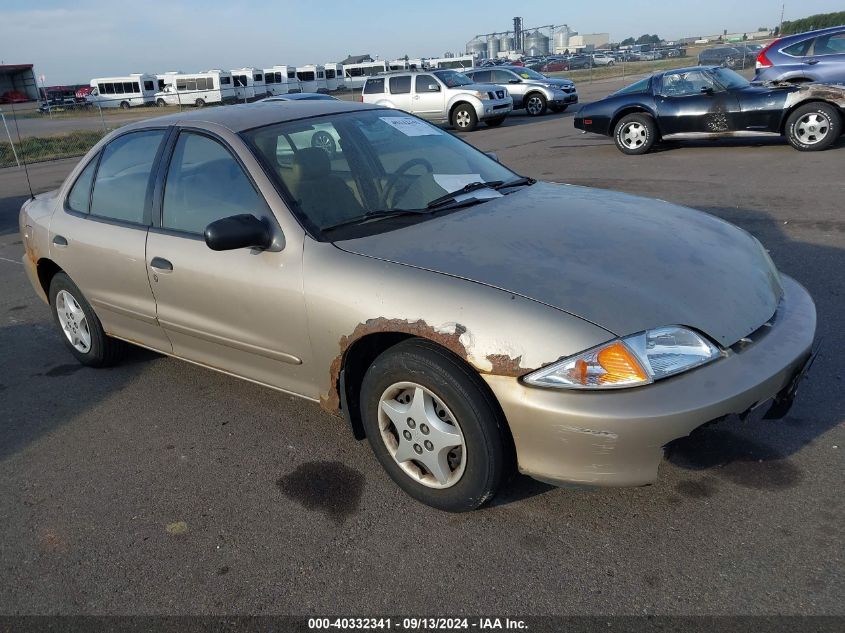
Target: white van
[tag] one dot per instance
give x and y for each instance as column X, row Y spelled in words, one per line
column 281, row 80
column 313, row 78
column 249, row 84
column 123, row 92
column 354, row 75
column 456, row 63
column 334, row 76
column 199, row 89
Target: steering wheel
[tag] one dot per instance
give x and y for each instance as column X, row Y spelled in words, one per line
column 393, row 180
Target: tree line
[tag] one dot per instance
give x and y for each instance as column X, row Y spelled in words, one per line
column 813, row 22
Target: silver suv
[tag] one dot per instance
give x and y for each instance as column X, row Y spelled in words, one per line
column 440, row 96
column 529, row 89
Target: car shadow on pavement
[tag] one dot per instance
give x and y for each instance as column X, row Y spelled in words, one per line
column 668, row 146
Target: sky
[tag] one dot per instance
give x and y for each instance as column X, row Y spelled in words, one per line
column 74, row 41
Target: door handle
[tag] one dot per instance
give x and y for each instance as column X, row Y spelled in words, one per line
column 812, row 61
column 161, row 265
column 59, row 241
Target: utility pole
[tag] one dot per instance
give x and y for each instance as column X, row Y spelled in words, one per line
column 780, row 28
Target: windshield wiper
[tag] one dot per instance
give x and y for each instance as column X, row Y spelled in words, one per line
column 375, row 215
column 517, row 182
column 473, row 186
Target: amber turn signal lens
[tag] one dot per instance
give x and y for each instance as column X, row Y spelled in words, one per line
column 620, row 365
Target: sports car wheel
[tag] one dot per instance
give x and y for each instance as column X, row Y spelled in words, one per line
column 433, row 427
column 635, row 134
column 813, row 127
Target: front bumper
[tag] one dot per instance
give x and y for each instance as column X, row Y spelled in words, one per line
column 564, row 98
column 616, row 438
column 494, row 108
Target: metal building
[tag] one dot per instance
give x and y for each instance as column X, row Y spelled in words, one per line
column 536, row 44
column 561, row 38
column 492, row 47
column 18, row 78
column 477, row 47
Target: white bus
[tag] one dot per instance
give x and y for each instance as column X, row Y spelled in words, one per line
column 458, row 63
column 313, row 78
column 406, row 64
column 249, row 84
column 281, row 80
column 354, row 75
column 334, row 76
column 123, row 92
column 210, row 86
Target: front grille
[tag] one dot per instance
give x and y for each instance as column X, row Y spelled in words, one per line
column 504, row 106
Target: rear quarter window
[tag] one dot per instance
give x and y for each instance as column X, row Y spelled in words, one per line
column 374, row 86
column 799, row 49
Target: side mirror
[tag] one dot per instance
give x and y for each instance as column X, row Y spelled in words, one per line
column 706, row 90
column 515, row 81
column 492, row 155
column 237, row 231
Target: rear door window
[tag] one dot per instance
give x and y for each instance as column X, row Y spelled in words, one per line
column 482, row 77
column 122, row 184
column 400, row 85
column 833, row 44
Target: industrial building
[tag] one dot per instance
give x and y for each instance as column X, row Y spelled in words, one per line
column 536, row 41
column 18, row 78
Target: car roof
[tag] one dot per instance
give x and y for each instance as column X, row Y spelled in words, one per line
column 238, row 118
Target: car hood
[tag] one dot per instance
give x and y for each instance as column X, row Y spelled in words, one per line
column 621, row 262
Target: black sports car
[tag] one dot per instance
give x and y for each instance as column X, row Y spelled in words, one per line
column 710, row 102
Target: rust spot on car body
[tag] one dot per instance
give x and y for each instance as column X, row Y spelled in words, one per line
column 448, row 335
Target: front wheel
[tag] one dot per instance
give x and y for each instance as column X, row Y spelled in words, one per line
column 83, row 332
column 199, row 103
column 495, row 122
column 635, row 134
column 535, row 104
column 813, row 127
column 464, row 118
column 433, row 427
column 160, row 103
column 124, row 105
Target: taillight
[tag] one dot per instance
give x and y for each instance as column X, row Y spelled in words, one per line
column 762, row 60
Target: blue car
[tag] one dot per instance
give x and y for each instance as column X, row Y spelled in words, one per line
column 813, row 56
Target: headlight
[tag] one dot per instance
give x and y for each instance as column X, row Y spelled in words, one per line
column 635, row 360
column 479, row 95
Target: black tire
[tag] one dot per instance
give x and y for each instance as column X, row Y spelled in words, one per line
column 648, row 130
column 199, row 103
column 124, row 105
column 556, row 108
column 495, row 122
column 464, row 118
column 104, row 350
column 535, row 104
column 161, row 103
column 817, row 134
column 487, row 458
column 324, row 141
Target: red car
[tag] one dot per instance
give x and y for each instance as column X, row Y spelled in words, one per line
column 554, row 67
column 13, row 96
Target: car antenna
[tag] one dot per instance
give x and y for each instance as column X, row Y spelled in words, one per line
column 23, row 157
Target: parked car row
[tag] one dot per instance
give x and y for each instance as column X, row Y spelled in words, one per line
column 463, row 100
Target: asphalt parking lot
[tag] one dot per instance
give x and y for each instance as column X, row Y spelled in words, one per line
column 157, row 487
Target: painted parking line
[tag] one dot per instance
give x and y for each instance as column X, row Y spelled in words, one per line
column 11, row 261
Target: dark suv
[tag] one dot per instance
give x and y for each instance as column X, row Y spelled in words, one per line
column 728, row 56
column 812, row 56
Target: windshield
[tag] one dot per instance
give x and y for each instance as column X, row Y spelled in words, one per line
column 342, row 167
column 452, row 78
column 729, row 79
column 527, row 73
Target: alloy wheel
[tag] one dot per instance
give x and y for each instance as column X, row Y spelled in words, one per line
column 633, row 135
column 534, row 106
column 812, row 128
column 462, row 118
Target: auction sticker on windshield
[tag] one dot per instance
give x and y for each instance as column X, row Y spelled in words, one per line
column 410, row 126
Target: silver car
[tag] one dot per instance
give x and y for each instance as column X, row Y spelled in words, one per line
column 529, row 89
column 466, row 320
column 440, row 96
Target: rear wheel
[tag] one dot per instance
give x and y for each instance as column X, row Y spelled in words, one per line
column 495, row 122
column 433, row 427
column 83, row 332
column 635, row 134
column 160, row 103
column 813, row 127
column 464, row 118
column 199, row 103
column 535, row 104
column 124, row 105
